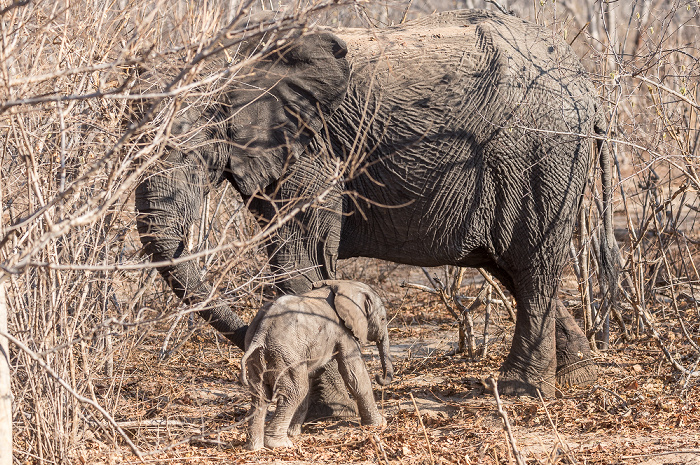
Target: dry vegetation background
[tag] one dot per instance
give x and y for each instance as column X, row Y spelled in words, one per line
column 105, row 359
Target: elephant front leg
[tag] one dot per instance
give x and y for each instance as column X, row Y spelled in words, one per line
column 298, row 418
column 354, row 372
column 310, row 243
column 575, row 364
column 531, row 363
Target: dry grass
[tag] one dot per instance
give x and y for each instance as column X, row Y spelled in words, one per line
column 91, row 318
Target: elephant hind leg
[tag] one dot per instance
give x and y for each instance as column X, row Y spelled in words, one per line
column 291, row 390
column 531, row 364
column 575, row 364
column 256, row 424
column 258, row 411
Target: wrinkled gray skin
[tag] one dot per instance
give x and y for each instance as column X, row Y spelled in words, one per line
column 467, row 136
column 294, row 336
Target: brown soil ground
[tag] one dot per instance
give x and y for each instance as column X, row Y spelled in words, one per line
column 190, row 405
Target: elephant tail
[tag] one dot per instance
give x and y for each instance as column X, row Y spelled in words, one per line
column 255, row 351
column 610, row 261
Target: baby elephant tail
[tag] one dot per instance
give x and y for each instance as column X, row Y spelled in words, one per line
column 255, row 350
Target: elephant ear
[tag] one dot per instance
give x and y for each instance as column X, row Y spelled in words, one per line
column 352, row 305
column 281, row 106
column 317, row 78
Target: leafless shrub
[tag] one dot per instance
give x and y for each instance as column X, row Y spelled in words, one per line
column 80, row 295
column 81, row 129
column 646, row 60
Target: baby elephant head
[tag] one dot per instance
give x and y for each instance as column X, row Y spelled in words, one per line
column 364, row 315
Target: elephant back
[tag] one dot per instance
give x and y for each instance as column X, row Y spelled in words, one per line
column 480, row 54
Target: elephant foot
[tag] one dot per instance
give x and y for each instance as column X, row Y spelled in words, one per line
column 575, row 363
column 580, row 373
column 377, row 420
column 512, row 382
column 328, row 397
column 254, row 444
column 294, row 430
column 278, row 442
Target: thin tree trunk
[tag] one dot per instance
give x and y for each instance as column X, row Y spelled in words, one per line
column 5, row 393
column 5, row 386
column 583, row 284
column 487, row 314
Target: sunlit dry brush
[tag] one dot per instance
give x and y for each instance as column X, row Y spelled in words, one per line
column 78, row 135
column 647, row 63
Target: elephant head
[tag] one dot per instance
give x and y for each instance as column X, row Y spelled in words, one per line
column 363, row 313
column 247, row 135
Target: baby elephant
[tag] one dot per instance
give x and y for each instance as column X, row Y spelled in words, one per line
column 293, row 336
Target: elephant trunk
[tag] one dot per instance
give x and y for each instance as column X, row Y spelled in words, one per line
column 167, row 203
column 384, row 355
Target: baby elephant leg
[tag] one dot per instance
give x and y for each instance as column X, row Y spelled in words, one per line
column 354, row 372
column 291, row 390
column 298, row 418
column 256, row 424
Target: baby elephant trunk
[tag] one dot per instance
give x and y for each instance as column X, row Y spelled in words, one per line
column 385, row 357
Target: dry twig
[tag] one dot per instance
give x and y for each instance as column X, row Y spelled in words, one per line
column 425, row 432
column 491, row 384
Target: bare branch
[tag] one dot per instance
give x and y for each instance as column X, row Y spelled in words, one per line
column 490, row 383
column 65, row 385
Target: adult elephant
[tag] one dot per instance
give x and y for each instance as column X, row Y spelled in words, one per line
column 462, row 138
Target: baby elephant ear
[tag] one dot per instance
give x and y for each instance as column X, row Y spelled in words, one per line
column 351, row 305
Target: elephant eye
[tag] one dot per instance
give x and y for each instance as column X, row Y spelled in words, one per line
column 233, row 131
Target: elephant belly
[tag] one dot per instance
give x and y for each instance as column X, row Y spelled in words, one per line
column 426, row 218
